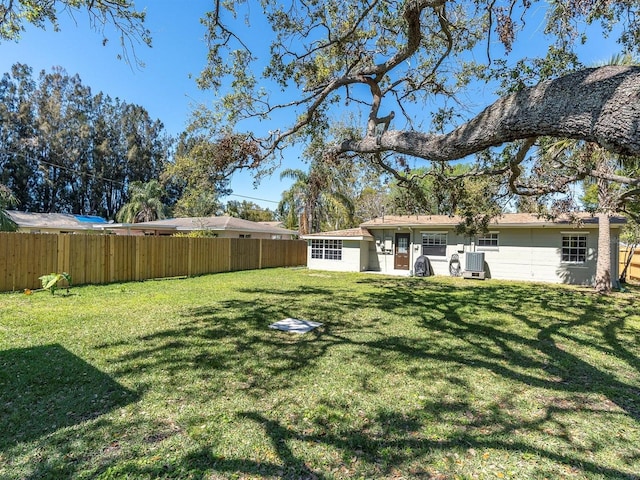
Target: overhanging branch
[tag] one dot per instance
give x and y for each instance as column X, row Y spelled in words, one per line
column 599, row 105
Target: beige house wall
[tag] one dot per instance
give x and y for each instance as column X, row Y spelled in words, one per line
column 353, row 258
column 528, row 254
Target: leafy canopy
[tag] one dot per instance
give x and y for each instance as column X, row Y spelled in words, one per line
column 415, row 75
column 379, row 56
column 102, row 14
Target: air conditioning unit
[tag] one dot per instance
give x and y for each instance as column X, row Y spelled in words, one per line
column 474, row 265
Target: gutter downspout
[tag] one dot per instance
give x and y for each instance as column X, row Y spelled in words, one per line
column 411, row 254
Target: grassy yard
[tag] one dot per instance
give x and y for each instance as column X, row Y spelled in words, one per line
column 408, row 378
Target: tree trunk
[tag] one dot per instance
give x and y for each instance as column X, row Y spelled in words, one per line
column 631, row 250
column 304, row 223
column 603, row 264
column 606, row 207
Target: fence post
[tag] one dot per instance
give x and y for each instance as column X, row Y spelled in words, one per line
column 138, row 259
column 64, row 244
column 189, row 255
column 112, row 257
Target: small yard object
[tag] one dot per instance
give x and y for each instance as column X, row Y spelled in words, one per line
column 295, row 325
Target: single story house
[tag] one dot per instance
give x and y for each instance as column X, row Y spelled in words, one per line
column 57, row 222
column 518, row 246
column 222, row 227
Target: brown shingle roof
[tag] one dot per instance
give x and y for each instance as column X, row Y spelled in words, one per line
column 215, row 223
column 506, row 219
column 358, row 232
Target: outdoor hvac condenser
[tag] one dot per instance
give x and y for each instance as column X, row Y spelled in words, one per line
column 474, row 265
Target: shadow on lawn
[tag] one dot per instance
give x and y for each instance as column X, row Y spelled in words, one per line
column 461, row 325
column 46, row 388
column 486, row 344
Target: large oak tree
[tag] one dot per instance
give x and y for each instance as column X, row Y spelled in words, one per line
column 408, row 69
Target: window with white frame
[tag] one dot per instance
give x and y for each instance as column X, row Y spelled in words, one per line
column 434, row 244
column 574, row 248
column 326, row 249
column 488, row 240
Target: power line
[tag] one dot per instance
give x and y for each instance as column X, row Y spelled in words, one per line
column 252, row 198
column 105, row 179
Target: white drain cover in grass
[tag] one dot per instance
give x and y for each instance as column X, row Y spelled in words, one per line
column 295, row 325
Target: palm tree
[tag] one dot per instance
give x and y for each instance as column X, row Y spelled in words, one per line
column 609, row 198
column 298, row 203
column 601, row 197
column 7, row 199
column 144, row 205
column 288, row 209
column 317, row 199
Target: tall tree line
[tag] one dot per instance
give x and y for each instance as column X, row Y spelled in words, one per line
column 63, row 149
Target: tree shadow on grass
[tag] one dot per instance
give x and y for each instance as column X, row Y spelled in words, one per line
column 227, row 341
column 538, row 355
column 46, row 388
column 554, row 349
column 389, row 444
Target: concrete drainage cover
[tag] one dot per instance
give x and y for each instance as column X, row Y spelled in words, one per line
column 295, row 325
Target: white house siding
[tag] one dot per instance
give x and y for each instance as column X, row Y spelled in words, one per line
column 381, row 252
column 352, row 258
column 364, row 254
column 528, row 254
column 535, row 255
column 456, row 244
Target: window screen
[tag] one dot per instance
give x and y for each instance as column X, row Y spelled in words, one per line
column 434, row 244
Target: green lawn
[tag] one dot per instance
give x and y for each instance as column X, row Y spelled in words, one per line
column 408, row 378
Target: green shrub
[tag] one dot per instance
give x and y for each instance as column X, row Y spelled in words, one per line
column 50, row 282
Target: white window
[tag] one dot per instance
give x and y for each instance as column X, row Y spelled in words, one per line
column 574, row 248
column 488, row 240
column 434, row 244
column 326, row 249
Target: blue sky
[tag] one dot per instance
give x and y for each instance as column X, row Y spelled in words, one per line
column 166, row 85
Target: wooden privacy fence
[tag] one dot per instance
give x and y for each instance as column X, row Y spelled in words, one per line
column 100, row 259
column 633, row 272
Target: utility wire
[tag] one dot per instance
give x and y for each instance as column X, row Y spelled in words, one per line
column 98, row 177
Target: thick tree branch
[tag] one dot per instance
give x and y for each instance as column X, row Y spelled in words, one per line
column 614, row 177
column 599, row 105
column 514, row 165
column 373, row 75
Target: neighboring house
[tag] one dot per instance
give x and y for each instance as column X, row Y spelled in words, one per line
column 517, row 247
column 57, row 222
column 273, row 224
column 222, row 227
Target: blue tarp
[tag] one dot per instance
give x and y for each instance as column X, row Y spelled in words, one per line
column 90, row 219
